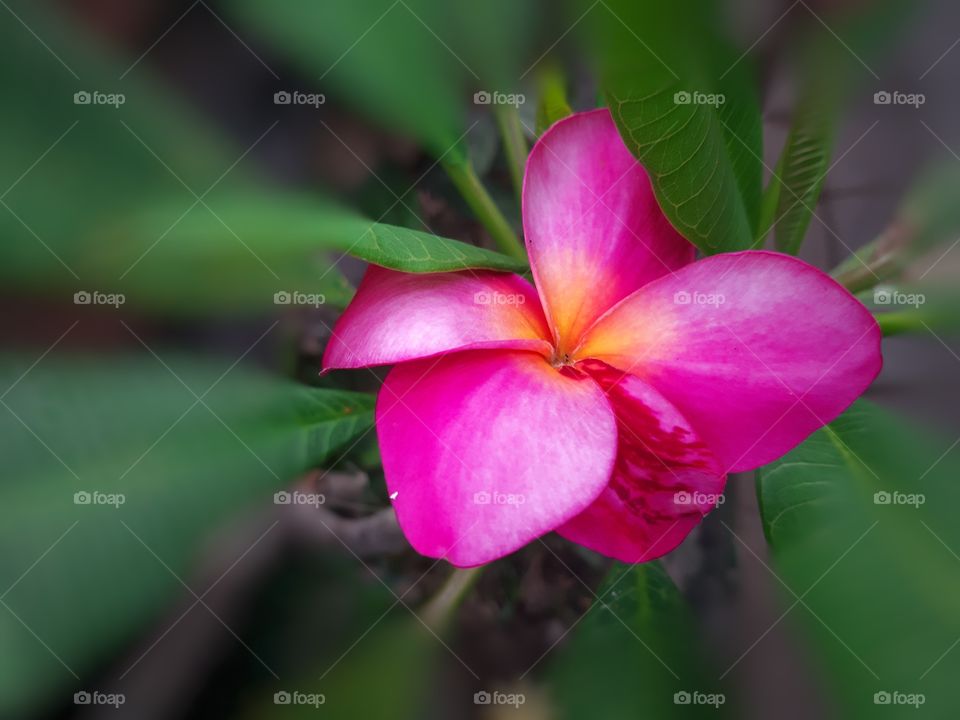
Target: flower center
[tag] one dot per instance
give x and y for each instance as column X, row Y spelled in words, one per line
column 562, row 359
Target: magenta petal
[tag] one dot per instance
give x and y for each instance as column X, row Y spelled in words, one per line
column 664, row 481
column 593, row 228
column 488, row 450
column 756, row 349
column 399, row 316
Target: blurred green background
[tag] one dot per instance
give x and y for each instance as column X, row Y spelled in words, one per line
column 188, row 194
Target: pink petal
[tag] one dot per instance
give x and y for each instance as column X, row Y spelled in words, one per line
column 593, row 228
column 488, row 450
column 400, row 316
column 664, row 479
column 756, row 349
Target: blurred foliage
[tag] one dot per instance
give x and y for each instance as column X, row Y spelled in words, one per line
column 385, row 676
column 142, row 198
column 927, row 219
column 686, row 105
column 923, row 307
column 330, row 631
column 861, row 521
column 411, row 73
column 637, row 653
column 150, row 204
column 185, row 443
column 408, row 65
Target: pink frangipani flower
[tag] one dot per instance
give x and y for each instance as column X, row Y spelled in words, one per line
column 609, row 402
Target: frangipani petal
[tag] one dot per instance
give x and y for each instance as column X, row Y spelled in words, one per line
column 593, row 228
column 488, row 450
column 664, row 481
column 397, row 316
column 756, row 349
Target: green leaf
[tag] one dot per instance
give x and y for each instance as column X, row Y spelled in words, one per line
column 793, row 192
column 686, row 106
column 414, row 251
column 769, row 202
column 803, row 167
column 184, row 446
column 635, row 654
column 861, row 521
column 311, row 226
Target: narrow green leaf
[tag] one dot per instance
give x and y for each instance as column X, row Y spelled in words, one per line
column 686, row 106
column 803, row 167
column 860, row 519
column 828, row 73
column 769, row 203
column 115, row 468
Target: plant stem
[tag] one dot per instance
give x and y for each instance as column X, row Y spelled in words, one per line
column 897, row 323
column 465, row 178
column 439, row 610
column 876, row 262
column 514, row 144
